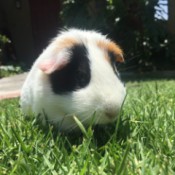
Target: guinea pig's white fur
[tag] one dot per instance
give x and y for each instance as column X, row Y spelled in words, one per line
column 101, row 98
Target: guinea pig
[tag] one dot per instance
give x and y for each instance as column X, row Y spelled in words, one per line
column 76, row 75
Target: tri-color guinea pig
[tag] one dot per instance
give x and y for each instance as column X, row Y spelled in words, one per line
column 76, row 75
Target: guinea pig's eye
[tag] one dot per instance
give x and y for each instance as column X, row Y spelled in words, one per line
column 115, row 70
column 113, row 61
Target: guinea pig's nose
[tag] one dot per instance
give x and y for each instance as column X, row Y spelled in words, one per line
column 111, row 114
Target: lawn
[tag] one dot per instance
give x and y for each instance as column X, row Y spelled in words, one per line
column 142, row 141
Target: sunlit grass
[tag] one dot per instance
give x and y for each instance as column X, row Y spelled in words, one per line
column 141, row 142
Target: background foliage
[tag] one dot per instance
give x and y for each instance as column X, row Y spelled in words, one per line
column 3, row 42
column 147, row 43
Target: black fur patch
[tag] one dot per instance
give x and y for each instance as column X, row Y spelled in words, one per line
column 75, row 75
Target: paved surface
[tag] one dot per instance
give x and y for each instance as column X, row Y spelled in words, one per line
column 10, row 87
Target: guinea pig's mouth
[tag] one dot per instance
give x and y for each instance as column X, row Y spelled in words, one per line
column 105, row 117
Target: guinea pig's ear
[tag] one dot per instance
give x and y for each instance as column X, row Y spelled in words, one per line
column 120, row 58
column 112, row 47
column 48, row 66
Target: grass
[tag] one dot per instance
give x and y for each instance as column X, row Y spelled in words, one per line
column 142, row 141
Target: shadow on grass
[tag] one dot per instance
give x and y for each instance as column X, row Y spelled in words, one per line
column 98, row 134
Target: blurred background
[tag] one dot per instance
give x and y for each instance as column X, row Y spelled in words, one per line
column 145, row 29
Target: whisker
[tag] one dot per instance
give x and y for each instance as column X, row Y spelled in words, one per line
column 128, row 68
column 74, row 125
column 132, row 59
column 128, row 64
column 98, row 118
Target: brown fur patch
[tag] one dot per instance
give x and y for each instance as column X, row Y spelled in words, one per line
column 68, row 42
column 111, row 46
column 65, row 43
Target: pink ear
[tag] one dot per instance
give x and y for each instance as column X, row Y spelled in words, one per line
column 50, row 65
